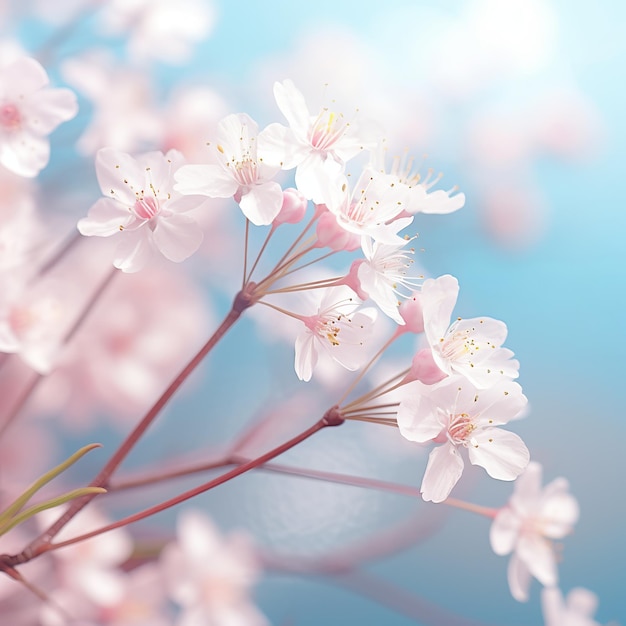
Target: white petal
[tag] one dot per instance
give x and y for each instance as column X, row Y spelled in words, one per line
column 518, row 576
column 119, row 176
column 306, row 355
column 538, row 555
column 206, row 180
column 105, row 218
column 293, row 106
column 443, row 471
column 417, row 415
column 438, row 300
column 177, row 237
column 552, row 606
column 278, row 146
column 262, row 203
column 502, row 453
column 25, row 153
column 582, row 602
column 134, row 251
column 504, row 531
column 48, row 108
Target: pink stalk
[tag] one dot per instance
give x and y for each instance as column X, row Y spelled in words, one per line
column 243, row 300
column 331, row 418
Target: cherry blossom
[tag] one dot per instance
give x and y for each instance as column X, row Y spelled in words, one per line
column 240, row 173
column 317, row 145
column 458, row 415
column 528, row 524
column 29, row 112
column 142, row 209
column 471, row 347
column 419, row 198
column 372, row 208
column 383, row 273
column 160, row 29
column 337, row 331
column 210, row 576
column 575, row 610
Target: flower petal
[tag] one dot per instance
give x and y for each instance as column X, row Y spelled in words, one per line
column 177, row 237
column 443, row 471
column 502, row 453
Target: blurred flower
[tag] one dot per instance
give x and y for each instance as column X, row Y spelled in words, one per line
column 29, row 112
column 142, row 209
column 576, row 610
column 210, row 576
column 527, row 526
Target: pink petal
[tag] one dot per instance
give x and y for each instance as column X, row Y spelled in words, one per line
column 417, row 415
column 438, row 300
column 24, row 153
column 538, row 555
column 293, row 106
column 48, row 108
column 134, row 251
column 119, row 176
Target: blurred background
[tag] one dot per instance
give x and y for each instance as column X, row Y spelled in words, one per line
column 518, row 102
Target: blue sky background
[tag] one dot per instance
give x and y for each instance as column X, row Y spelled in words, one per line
column 562, row 297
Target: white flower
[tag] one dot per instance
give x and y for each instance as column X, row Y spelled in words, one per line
column 372, row 208
column 319, row 145
column 470, row 347
column 419, row 198
column 29, row 111
column 457, row 414
column 142, row 209
column 337, row 331
column 240, row 173
column 576, row 610
column 527, row 526
column 383, row 273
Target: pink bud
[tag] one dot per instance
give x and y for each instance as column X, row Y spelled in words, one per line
column 424, row 368
column 411, row 313
column 293, row 208
column 331, row 235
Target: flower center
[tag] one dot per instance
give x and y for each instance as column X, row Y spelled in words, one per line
column 460, row 427
column 456, row 344
column 146, row 207
column 10, row 117
column 327, row 128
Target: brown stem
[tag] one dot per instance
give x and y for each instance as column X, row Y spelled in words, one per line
column 242, row 301
column 331, row 418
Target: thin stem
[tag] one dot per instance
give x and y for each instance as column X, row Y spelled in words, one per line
column 379, row 391
column 281, row 310
column 372, row 407
column 314, row 284
column 320, row 258
column 78, row 322
column 295, row 243
column 373, row 420
column 331, row 418
column 69, row 243
column 245, row 254
column 260, row 254
column 241, row 303
column 364, row 371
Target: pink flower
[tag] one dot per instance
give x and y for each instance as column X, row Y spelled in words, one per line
column 239, row 173
column 337, row 331
column 142, row 209
column 318, row 145
column 29, row 112
column 527, row 526
column 469, row 347
column 458, row 415
column 210, row 576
